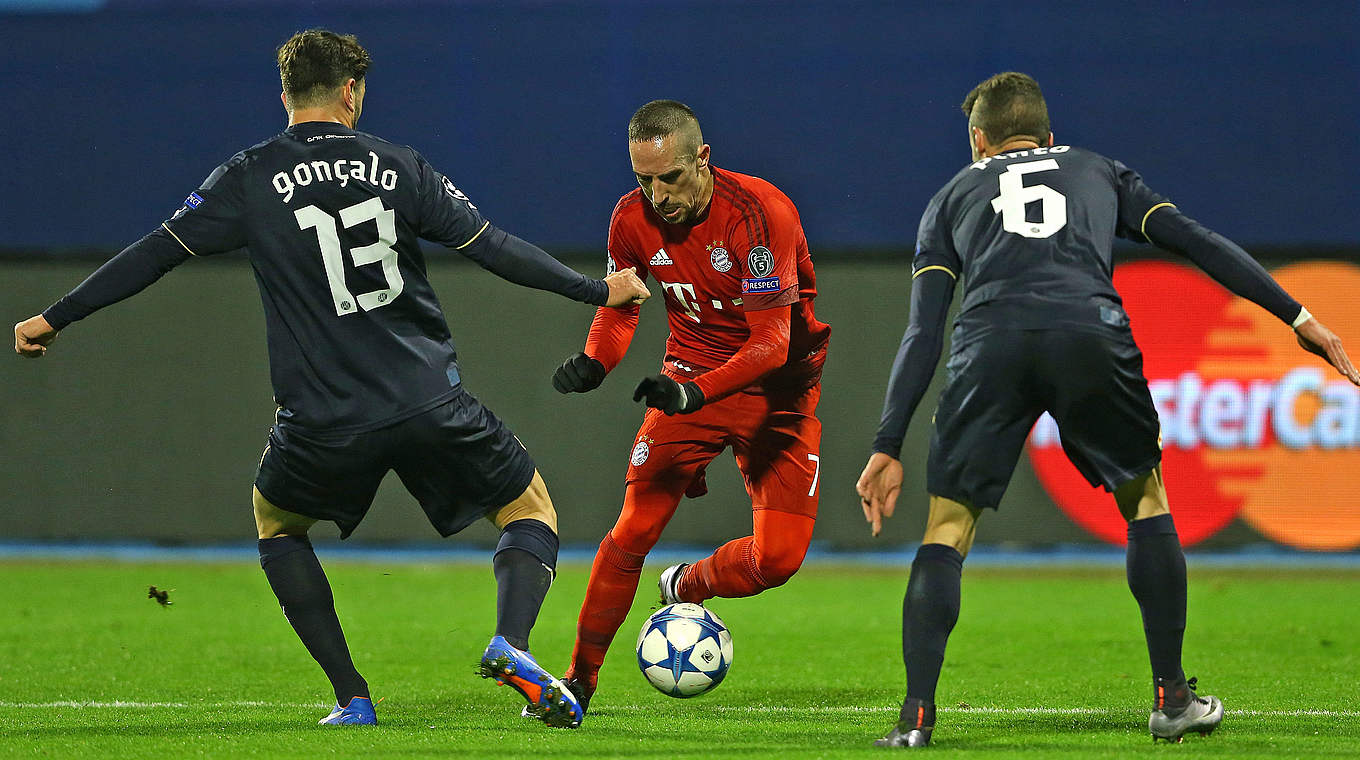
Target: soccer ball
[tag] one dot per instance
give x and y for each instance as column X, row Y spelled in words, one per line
column 684, row 650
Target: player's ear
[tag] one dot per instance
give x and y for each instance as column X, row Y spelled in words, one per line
column 701, row 156
column 283, row 96
column 1051, row 139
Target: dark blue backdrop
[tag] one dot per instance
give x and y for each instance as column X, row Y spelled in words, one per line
column 1243, row 112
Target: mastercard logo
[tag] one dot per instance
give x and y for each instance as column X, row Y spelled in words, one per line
column 1252, row 426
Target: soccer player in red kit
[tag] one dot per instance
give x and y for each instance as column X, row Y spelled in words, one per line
column 742, row 369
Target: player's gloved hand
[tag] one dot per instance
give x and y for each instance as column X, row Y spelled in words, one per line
column 578, row 374
column 671, row 397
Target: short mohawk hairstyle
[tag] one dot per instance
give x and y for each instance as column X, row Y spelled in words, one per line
column 666, row 117
column 1009, row 104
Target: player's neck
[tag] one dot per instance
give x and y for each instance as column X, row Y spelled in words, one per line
column 1010, row 145
column 706, row 194
column 301, row 115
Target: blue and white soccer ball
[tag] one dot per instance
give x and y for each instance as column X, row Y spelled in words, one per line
column 684, row 650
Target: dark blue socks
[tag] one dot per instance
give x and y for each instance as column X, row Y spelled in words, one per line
column 305, row 596
column 929, row 612
column 1156, row 570
column 524, row 563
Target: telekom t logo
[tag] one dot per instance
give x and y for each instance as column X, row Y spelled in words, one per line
column 683, row 293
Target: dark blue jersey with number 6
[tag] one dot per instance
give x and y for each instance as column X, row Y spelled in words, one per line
column 331, row 218
column 1030, row 234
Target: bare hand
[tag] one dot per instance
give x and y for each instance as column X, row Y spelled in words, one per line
column 1316, row 338
column 878, row 487
column 32, row 337
column 626, row 288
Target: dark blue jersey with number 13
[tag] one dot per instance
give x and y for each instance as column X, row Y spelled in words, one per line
column 331, row 218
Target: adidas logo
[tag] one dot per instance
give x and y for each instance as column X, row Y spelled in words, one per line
column 660, row 258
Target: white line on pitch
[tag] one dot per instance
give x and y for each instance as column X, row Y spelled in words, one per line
column 822, row 709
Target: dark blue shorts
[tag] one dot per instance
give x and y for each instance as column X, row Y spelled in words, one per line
column 458, row 459
column 998, row 385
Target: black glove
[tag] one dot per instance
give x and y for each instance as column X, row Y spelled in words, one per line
column 669, row 396
column 578, row 374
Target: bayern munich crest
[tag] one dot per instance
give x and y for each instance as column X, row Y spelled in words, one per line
column 719, row 257
column 640, row 452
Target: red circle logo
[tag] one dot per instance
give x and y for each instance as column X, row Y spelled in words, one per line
column 1251, row 424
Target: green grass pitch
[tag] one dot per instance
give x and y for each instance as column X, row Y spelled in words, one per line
column 1044, row 662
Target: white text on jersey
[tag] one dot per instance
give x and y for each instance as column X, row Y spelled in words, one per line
column 1021, row 154
column 341, row 171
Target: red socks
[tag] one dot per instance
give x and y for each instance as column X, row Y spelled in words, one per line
column 613, row 584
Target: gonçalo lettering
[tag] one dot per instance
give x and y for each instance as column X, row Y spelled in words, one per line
column 1252, row 427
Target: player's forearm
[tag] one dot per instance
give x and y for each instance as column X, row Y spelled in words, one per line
column 1221, row 259
column 917, row 356
column 766, row 350
column 124, row 275
column 611, row 332
column 526, row 264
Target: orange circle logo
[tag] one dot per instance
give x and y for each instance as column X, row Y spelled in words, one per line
column 1252, row 426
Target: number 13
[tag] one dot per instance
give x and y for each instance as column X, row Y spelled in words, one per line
column 328, row 237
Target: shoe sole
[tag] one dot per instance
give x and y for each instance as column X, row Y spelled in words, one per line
column 556, row 713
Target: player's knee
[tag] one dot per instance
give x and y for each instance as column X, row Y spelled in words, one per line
column 776, row 568
column 533, row 537
column 638, row 529
column 635, row 536
column 533, row 504
column 954, row 535
column 1142, row 497
column 272, row 522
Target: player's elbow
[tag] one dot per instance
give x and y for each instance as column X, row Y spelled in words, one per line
column 776, row 339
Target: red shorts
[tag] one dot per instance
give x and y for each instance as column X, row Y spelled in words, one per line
column 776, row 438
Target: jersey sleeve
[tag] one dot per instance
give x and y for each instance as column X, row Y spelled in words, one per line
column 769, row 237
column 621, row 251
column 934, row 243
column 1136, row 203
column 447, row 216
column 212, row 219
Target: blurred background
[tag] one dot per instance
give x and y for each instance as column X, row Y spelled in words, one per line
column 146, row 421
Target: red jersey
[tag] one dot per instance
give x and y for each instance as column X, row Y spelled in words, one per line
column 746, row 253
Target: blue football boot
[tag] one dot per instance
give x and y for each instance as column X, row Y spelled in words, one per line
column 359, row 712
column 549, row 700
column 578, row 689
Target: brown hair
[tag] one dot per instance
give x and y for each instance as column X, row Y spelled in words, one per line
column 1008, row 105
column 667, row 117
column 312, row 64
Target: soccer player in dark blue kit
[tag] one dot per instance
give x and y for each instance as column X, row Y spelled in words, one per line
column 1028, row 229
column 363, row 366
